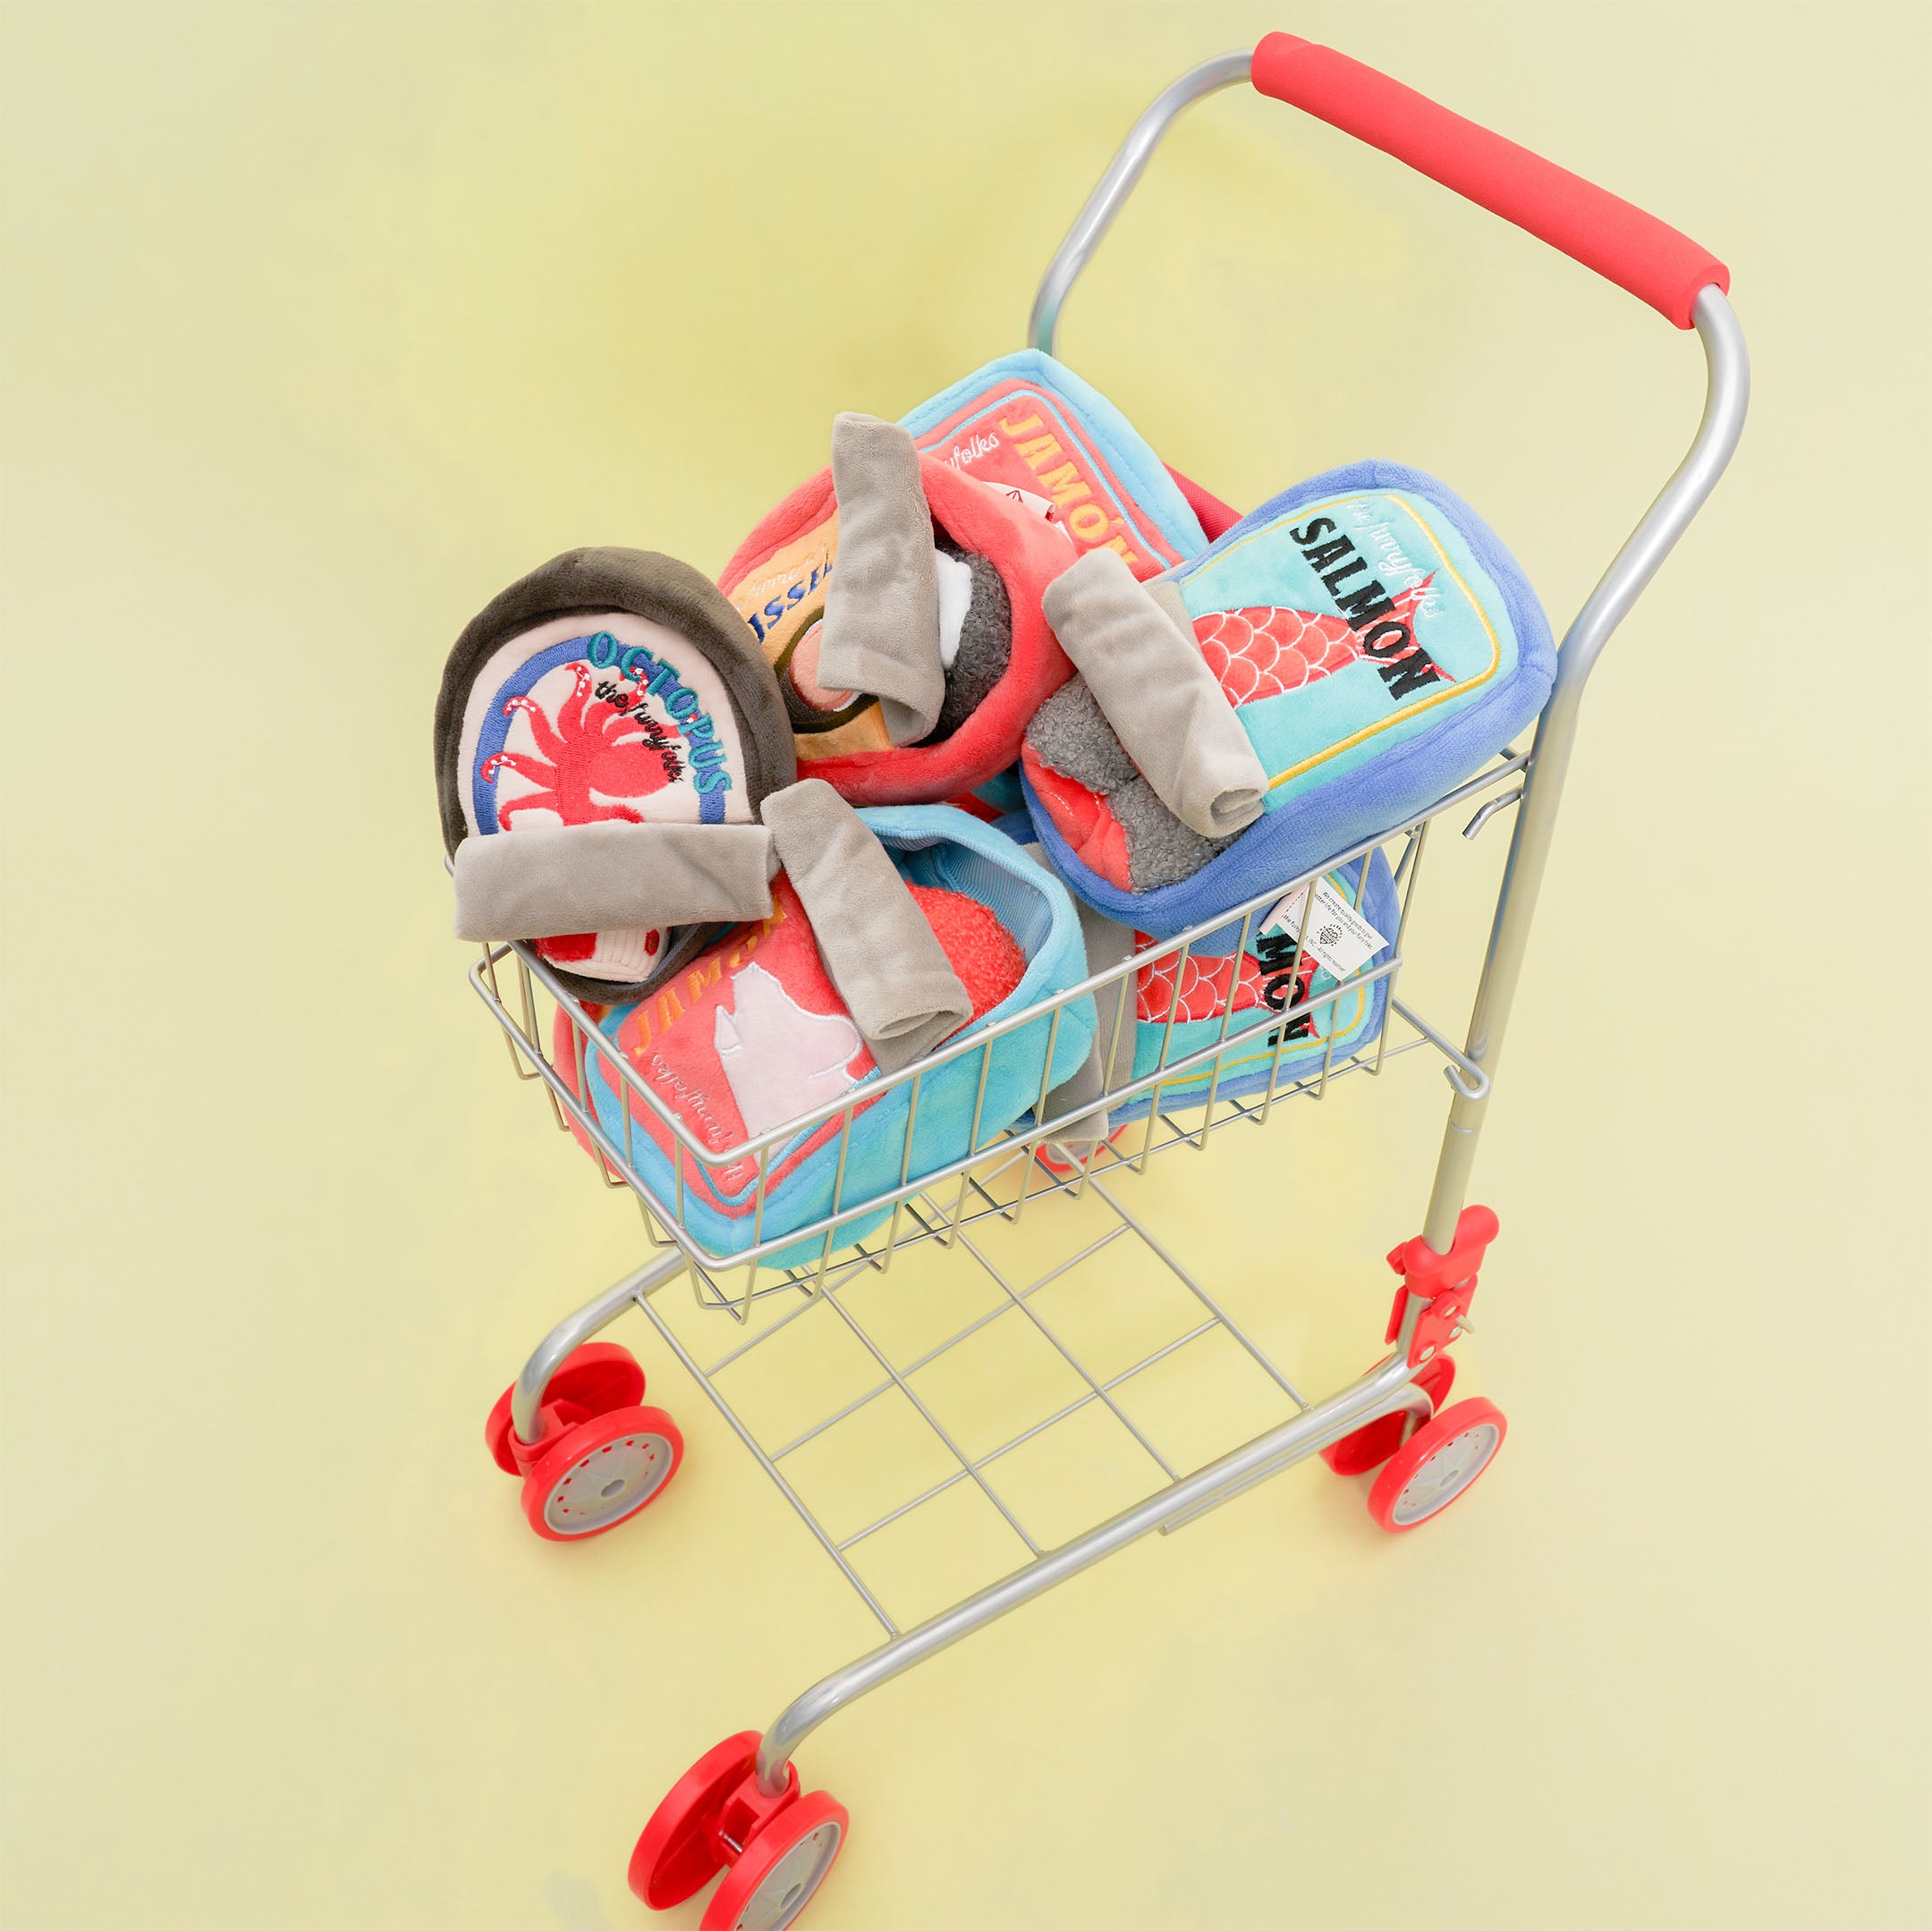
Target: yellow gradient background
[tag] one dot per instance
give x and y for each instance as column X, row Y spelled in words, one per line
column 322, row 323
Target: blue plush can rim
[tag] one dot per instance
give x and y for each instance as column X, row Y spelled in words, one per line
column 1016, row 1062
column 1283, row 844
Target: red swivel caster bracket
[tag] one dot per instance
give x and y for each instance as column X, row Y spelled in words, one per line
column 775, row 1851
column 599, row 1457
column 1446, row 1281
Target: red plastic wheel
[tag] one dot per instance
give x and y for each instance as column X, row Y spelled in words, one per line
column 677, row 1855
column 1437, row 1463
column 781, row 1867
column 590, row 1380
column 601, row 1473
column 1371, row 1445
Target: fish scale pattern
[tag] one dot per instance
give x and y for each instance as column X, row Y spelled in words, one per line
column 1260, row 652
column 1203, row 987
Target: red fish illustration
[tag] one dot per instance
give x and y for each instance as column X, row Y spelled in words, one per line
column 1262, row 652
column 1204, row 986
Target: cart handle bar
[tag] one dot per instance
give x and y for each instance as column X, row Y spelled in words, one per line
column 1634, row 250
column 1624, row 245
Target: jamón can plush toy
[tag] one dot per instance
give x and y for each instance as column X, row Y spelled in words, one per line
column 770, row 1024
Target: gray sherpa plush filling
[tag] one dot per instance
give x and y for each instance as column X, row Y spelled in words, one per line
column 1161, row 851
column 985, row 651
column 1070, row 735
column 985, row 645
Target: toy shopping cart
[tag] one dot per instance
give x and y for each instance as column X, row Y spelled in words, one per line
column 590, row 1455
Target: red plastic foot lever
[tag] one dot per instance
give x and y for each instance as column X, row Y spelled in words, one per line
column 1447, row 1282
column 747, row 1810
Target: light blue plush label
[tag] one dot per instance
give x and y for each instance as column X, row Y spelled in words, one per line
column 1345, row 627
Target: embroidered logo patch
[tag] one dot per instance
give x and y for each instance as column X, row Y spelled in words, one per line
column 1023, row 441
column 612, row 717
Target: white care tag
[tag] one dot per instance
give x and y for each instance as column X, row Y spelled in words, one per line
column 1342, row 941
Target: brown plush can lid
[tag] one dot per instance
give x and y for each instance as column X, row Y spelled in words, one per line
column 646, row 584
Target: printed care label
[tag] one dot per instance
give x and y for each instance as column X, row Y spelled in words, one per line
column 1342, row 941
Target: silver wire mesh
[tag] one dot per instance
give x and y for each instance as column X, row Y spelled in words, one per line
column 832, row 1329
column 565, row 1074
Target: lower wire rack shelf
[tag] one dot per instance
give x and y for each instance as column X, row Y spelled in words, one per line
column 869, row 1401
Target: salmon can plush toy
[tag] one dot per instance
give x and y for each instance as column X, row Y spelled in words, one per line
column 1332, row 663
column 1248, row 994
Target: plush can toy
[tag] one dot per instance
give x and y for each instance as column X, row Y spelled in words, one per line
column 897, row 594
column 1241, row 1009
column 606, row 732
column 774, row 1020
column 1332, row 663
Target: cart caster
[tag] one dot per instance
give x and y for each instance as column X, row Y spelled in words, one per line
column 590, row 1380
column 678, row 1853
column 591, row 1414
column 774, row 1850
column 1371, row 1445
column 781, row 1868
column 601, row 1473
column 1437, row 1464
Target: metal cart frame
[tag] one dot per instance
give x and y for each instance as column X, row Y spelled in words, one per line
column 1001, row 1178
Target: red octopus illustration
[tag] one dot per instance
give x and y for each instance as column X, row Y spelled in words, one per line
column 1260, row 652
column 594, row 754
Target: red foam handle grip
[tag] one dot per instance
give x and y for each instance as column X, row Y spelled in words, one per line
column 1621, row 243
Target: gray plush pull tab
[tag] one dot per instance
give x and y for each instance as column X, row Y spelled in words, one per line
column 543, row 879
column 881, row 632
column 886, row 961
column 1152, row 684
